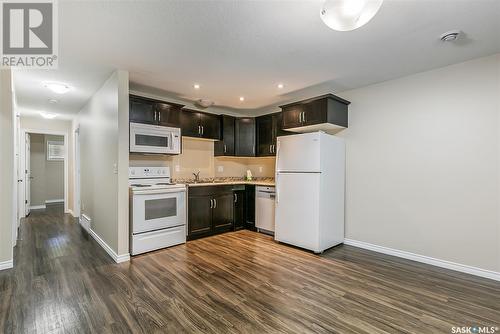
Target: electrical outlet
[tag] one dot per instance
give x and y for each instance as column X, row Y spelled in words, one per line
column 220, row 169
column 261, row 169
column 177, row 168
column 115, row 168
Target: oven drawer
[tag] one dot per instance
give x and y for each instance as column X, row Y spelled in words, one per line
column 149, row 241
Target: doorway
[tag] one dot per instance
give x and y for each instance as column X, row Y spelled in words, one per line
column 43, row 162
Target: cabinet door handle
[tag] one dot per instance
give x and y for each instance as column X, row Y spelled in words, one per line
column 215, row 203
column 199, row 129
column 300, row 117
column 159, row 116
column 202, row 130
column 225, row 148
column 270, row 148
column 235, row 198
column 211, row 204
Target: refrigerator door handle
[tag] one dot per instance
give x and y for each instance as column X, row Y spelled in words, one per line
column 277, row 190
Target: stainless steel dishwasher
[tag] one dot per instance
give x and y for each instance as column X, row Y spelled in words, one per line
column 264, row 209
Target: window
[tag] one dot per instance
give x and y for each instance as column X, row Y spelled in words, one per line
column 55, row 150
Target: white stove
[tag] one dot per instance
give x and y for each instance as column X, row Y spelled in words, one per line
column 157, row 209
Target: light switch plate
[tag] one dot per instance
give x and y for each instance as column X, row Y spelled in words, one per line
column 177, row 168
column 261, row 169
column 220, row 169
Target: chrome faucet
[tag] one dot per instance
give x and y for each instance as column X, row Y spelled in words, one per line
column 196, row 177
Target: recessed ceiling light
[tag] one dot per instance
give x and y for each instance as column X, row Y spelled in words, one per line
column 48, row 115
column 346, row 15
column 280, row 86
column 242, row 98
column 196, row 86
column 56, row 87
column 53, row 101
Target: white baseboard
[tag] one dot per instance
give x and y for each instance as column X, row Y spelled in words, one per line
column 6, row 264
column 426, row 259
column 85, row 222
column 53, row 201
column 37, row 207
column 70, row 212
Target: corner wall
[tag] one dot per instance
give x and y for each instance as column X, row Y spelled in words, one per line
column 7, row 168
column 103, row 124
column 423, row 170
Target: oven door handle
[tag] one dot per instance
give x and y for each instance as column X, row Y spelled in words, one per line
column 158, row 191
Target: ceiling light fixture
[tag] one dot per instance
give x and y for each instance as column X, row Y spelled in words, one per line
column 56, row 87
column 196, row 86
column 346, row 15
column 48, row 115
column 53, row 101
column 450, row 36
column 242, row 98
column 280, row 86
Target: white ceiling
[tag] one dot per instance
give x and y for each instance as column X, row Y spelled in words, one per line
column 245, row 48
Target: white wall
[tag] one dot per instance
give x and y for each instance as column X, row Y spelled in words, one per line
column 7, row 168
column 423, row 169
column 103, row 124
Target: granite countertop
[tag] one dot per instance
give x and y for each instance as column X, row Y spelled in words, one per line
column 220, row 181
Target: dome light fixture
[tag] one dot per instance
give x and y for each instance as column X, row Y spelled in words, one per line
column 48, row 115
column 346, row 15
column 57, row 87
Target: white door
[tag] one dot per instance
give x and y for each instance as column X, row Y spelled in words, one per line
column 27, row 174
column 297, row 209
column 298, row 153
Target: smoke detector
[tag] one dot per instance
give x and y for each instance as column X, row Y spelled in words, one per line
column 450, row 36
column 204, row 103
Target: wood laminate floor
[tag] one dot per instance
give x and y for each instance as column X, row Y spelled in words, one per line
column 240, row 282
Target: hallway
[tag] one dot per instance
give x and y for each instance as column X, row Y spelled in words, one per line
column 237, row 282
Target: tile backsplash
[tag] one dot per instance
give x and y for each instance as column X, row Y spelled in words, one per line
column 198, row 155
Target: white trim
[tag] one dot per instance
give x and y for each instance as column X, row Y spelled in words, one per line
column 6, row 264
column 37, row 207
column 50, row 201
column 85, row 222
column 426, row 259
column 71, row 213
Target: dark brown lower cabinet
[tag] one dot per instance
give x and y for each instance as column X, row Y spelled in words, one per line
column 200, row 215
column 218, row 209
column 239, row 209
column 210, row 210
column 222, row 213
column 250, row 207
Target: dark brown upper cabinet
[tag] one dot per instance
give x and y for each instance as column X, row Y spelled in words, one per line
column 225, row 147
column 245, row 137
column 268, row 128
column 200, row 125
column 149, row 111
column 327, row 112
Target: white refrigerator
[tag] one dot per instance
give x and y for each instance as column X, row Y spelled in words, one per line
column 310, row 187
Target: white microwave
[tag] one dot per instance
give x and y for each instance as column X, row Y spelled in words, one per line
column 145, row 138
